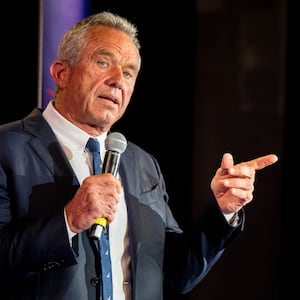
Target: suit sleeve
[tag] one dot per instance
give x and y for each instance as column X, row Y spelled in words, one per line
column 190, row 256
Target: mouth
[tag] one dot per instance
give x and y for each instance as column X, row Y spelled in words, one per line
column 115, row 100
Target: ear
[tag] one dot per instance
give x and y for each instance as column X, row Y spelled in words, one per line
column 59, row 71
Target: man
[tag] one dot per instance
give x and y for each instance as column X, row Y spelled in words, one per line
column 49, row 200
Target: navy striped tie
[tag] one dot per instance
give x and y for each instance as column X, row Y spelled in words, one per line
column 106, row 273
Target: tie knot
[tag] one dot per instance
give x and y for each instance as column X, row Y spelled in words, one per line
column 93, row 145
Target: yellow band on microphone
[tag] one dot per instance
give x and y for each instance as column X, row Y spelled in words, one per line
column 102, row 222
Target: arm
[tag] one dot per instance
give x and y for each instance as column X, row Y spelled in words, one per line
column 199, row 249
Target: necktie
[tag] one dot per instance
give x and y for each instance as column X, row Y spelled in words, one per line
column 106, row 274
column 94, row 147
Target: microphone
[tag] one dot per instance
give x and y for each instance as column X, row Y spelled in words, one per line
column 115, row 145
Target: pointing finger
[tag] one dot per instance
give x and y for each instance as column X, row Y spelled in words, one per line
column 261, row 162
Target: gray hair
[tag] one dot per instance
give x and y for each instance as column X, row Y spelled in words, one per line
column 73, row 40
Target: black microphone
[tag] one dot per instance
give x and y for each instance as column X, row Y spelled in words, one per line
column 115, row 145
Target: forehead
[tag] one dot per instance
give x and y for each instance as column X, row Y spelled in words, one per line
column 106, row 37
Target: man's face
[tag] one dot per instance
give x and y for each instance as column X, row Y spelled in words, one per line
column 96, row 91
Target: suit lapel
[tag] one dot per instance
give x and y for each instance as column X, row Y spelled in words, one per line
column 47, row 148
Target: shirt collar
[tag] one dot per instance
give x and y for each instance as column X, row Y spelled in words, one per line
column 66, row 132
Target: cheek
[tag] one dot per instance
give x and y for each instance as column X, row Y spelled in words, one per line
column 126, row 99
column 128, row 92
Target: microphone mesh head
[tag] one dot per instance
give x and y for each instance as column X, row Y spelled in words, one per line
column 116, row 141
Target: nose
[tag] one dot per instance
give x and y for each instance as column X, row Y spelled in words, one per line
column 116, row 77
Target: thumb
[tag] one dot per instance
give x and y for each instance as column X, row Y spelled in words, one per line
column 227, row 161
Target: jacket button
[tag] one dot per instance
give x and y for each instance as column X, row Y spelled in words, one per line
column 95, row 281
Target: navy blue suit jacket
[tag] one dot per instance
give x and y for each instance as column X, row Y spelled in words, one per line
column 36, row 260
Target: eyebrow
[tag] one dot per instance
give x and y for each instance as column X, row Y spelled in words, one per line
column 108, row 53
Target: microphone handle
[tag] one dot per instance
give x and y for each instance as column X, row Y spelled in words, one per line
column 110, row 165
column 111, row 162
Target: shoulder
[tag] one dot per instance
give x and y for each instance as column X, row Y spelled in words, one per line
column 21, row 131
column 17, row 125
column 141, row 157
column 137, row 151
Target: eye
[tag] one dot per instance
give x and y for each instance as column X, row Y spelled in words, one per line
column 127, row 74
column 130, row 72
column 103, row 64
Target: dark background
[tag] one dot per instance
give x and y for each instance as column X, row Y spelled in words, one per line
column 216, row 77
